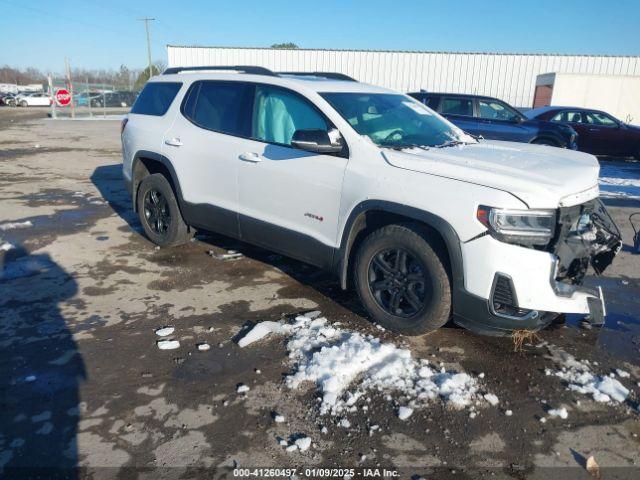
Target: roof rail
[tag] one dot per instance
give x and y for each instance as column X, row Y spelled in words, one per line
column 237, row 68
column 330, row 75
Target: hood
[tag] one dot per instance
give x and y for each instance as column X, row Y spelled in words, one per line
column 540, row 176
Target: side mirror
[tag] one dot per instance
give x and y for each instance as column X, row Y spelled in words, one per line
column 315, row 140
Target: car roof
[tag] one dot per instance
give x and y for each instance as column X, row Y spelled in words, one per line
column 315, row 83
column 445, row 94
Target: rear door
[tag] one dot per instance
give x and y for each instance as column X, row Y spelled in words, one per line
column 499, row 121
column 204, row 143
column 459, row 111
column 289, row 198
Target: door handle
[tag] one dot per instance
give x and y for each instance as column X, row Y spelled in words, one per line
column 174, row 142
column 250, row 157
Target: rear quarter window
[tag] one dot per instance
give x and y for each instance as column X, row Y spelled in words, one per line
column 155, row 98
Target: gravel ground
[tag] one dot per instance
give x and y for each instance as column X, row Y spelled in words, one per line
column 85, row 390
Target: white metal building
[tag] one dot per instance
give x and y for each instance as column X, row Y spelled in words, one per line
column 511, row 77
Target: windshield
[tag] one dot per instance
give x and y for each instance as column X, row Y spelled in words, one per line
column 393, row 120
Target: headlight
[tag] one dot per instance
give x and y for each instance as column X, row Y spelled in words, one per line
column 523, row 227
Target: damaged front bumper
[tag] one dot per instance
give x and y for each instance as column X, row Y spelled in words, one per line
column 525, row 288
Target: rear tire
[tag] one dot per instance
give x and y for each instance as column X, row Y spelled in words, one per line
column 23, row 103
column 402, row 280
column 159, row 212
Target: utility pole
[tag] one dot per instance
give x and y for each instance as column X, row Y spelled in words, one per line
column 68, row 69
column 146, row 21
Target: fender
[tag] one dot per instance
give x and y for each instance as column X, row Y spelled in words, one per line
column 356, row 217
column 156, row 157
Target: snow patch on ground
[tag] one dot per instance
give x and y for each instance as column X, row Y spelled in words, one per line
column 579, row 378
column 168, row 344
column 6, row 246
column 15, row 225
column 619, row 181
column 559, row 412
column 165, row 331
column 345, row 365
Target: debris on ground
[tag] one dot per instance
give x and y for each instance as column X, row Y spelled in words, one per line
column 230, row 255
column 168, row 344
column 592, row 467
column 15, row 225
column 278, row 418
column 203, row 347
column 521, row 337
column 346, row 364
column 165, row 331
column 6, row 246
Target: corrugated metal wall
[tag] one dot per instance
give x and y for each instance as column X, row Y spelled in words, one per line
column 510, row 77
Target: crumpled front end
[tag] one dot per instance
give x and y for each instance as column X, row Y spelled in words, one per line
column 522, row 286
column 586, row 236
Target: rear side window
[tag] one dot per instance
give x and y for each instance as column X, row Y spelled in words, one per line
column 431, row 102
column 220, row 106
column 457, row 106
column 155, row 98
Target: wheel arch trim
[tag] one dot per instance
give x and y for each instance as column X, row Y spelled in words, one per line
column 356, row 223
column 156, row 157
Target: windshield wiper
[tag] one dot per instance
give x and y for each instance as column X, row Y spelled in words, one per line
column 404, row 146
column 450, row 143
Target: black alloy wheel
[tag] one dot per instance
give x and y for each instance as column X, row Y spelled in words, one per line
column 398, row 283
column 156, row 212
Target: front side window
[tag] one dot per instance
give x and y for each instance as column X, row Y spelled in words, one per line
column 393, row 120
column 219, row 106
column 457, row 106
column 492, row 110
column 155, row 98
column 278, row 113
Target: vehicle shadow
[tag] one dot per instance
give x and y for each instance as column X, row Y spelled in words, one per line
column 40, row 369
column 108, row 180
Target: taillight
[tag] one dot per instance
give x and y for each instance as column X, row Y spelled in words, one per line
column 123, row 124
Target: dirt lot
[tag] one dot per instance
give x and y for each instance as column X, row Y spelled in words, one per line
column 83, row 383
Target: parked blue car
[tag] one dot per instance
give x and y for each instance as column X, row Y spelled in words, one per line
column 497, row 120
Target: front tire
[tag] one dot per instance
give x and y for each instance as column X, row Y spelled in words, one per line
column 23, row 103
column 159, row 212
column 402, row 279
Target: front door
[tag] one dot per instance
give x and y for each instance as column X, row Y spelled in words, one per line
column 203, row 145
column 289, row 198
column 498, row 121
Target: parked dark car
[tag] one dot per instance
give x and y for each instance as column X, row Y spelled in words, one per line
column 496, row 120
column 8, row 99
column 114, row 99
column 600, row 133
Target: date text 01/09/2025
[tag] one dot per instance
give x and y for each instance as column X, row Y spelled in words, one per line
column 316, row 472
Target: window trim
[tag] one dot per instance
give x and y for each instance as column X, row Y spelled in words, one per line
column 345, row 153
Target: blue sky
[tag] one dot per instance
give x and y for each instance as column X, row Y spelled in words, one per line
column 106, row 34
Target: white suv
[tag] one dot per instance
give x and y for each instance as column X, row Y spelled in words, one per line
column 424, row 220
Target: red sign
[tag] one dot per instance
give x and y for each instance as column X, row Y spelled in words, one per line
column 63, row 97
